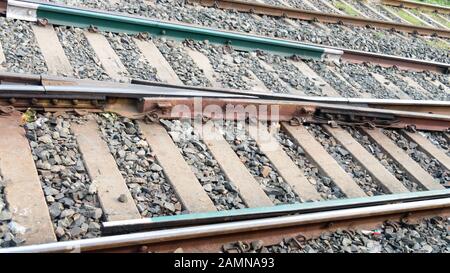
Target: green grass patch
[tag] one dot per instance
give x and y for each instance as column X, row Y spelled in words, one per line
column 440, row 19
column 408, row 17
column 346, row 8
column 437, row 2
column 379, row 35
column 438, row 44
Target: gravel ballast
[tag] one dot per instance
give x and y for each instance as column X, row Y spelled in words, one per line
column 69, row 192
column 258, row 164
column 151, row 191
column 361, row 75
column 342, row 87
column 423, row 79
column 181, row 63
column 323, row 184
column 429, row 235
column 137, row 66
column 438, row 139
column 431, row 165
column 80, row 54
column 222, row 192
column 232, row 72
column 10, row 231
column 391, row 74
column 384, row 159
column 346, row 161
column 362, row 8
column 20, row 48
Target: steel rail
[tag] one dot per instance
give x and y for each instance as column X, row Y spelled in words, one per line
column 220, row 229
column 295, row 13
column 177, row 95
column 417, row 5
column 358, row 56
column 425, row 106
column 115, row 22
column 164, row 101
column 44, row 84
column 147, row 224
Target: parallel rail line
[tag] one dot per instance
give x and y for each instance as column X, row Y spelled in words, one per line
column 53, row 93
column 417, row 5
column 295, row 13
column 118, row 23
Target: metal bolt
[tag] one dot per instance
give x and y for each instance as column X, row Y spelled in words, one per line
column 143, row 249
column 42, row 22
column 75, row 102
column 12, row 100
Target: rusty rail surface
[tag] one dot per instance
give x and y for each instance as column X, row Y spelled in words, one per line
column 315, row 16
column 417, row 5
column 153, row 101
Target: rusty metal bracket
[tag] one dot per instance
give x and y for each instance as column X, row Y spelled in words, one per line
column 6, row 110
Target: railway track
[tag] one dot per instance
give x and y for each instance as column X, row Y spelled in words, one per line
column 109, row 194
column 143, row 156
column 284, row 10
column 334, row 35
column 107, row 56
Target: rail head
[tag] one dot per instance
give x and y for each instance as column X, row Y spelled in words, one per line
column 417, row 5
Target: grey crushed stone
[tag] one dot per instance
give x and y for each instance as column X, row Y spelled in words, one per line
column 291, row 75
column 298, row 4
column 429, row 235
column 255, row 161
column 222, row 192
column 390, row 74
column 323, row 184
column 342, row 87
column 438, row 139
column 181, row 63
column 230, row 74
column 80, row 54
column 361, row 75
column 346, row 161
column 270, row 79
column 20, row 47
column 391, row 165
column 69, row 192
column 322, row 7
column 426, row 19
column 431, row 165
column 360, row 6
column 423, row 79
column 152, row 193
column 10, row 231
column 136, row 65
column 386, row 13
